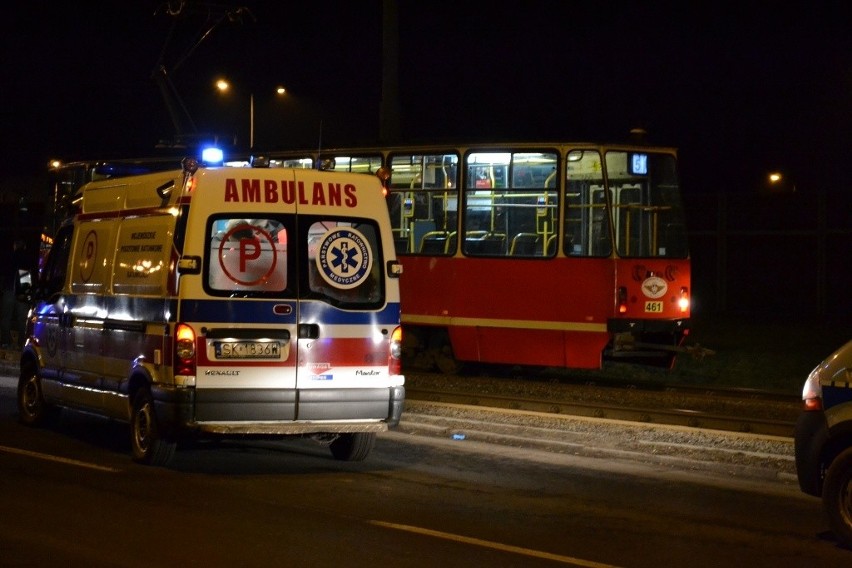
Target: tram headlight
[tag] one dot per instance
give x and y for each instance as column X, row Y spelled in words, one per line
column 683, row 299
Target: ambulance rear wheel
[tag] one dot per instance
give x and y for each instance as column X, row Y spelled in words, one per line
column 32, row 409
column 837, row 497
column 148, row 446
column 353, row 447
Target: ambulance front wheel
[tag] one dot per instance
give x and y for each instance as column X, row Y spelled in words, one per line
column 147, row 445
column 32, row 408
column 353, row 447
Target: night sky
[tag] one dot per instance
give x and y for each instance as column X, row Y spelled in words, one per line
column 739, row 88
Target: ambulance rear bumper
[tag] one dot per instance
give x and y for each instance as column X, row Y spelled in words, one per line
column 277, row 412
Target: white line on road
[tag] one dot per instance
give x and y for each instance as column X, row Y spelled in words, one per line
column 58, row 459
column 495, row 545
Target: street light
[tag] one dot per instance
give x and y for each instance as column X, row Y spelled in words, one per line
column 777, row 182
column 224, row 86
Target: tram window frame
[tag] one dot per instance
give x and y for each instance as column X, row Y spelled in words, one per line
column 643, row 204
column 586, row 218
column 424, row 213
column 357, row 163
column 510, row 187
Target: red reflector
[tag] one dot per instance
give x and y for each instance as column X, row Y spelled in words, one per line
column 395, row 352
column 812, row 404
column 621, row 297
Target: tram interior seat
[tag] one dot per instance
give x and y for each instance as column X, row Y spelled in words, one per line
column 420, row 228
column 485, row 242
column 525, row 244
column 400, row 240
column 550, row 246
column 475, row 235
column 435, row 242
column 450, row 247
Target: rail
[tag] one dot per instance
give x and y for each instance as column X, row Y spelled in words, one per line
column 732, row 410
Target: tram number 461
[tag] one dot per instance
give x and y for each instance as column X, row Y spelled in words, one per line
column 653, row 307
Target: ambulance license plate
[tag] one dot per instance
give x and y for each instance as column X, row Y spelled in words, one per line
column 247, row 349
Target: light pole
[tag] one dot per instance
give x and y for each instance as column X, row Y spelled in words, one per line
column 224, row 86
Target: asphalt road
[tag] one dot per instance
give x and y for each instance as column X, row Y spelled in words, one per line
column 460, row 489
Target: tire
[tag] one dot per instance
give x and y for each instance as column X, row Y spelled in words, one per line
column 32, row 409
column 837, row 497
column 148, row 446
column 353, row 447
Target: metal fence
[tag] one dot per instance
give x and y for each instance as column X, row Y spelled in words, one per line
column 788, row 255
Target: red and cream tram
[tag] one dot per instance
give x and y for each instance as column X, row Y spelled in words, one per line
column 542, row 254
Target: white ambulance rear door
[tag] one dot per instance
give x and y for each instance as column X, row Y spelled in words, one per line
column 243, row 304
column 346, row 312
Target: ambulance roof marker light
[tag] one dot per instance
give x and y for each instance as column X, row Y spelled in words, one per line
column 212, row 156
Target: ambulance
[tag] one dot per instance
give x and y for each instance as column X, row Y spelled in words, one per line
column 221, row 302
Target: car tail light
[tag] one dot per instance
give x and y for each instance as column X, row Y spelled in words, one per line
column 184, row 363
column 812, row 392
column 395, row 352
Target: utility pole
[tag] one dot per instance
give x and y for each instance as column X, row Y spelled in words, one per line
column 389, row 112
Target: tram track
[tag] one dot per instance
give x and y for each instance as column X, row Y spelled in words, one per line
column 731, row 410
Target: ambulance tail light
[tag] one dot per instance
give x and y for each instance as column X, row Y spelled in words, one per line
column 395, row 352
column 683, row 300
column 621, row 299
column 184, row 363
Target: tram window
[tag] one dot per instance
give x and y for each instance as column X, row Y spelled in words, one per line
column 508, row 208
column 357, row 164
column 301, row 163
column 646, row 206
column 424, row 202
column 586, row 223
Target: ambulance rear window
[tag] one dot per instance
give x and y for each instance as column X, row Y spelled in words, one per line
column 247, row 256
column 344, row 261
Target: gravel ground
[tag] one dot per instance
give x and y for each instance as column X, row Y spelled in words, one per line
column 685, row 448
column 733, row 454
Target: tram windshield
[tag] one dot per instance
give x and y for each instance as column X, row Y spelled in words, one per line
column 646, row 206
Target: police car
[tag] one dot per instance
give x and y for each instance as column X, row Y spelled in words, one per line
column 823, row 440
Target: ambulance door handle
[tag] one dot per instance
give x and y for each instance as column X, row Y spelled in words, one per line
column 308, row 331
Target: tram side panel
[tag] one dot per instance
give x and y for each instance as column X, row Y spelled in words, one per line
column 543, row 312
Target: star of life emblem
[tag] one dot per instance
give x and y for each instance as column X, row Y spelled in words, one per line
column 344, row 257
